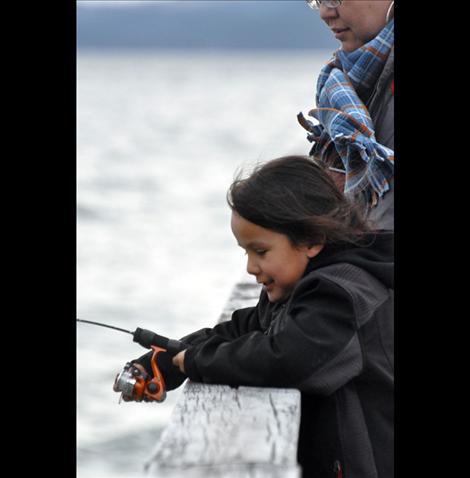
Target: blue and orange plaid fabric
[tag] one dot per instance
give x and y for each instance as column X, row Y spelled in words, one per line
column 345, row 120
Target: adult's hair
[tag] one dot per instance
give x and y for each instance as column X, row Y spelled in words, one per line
column 295, row 196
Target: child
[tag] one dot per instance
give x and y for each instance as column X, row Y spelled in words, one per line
column 323, row 323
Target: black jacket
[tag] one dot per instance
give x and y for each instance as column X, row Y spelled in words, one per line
column 333, row 340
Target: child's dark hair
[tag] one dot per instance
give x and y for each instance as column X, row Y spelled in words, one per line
column 295, row 196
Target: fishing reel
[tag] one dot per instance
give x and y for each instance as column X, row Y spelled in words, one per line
column 136, row 385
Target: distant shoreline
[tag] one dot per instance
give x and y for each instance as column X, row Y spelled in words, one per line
column 261, row 24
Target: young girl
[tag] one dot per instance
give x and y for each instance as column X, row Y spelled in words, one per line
column 323, row 323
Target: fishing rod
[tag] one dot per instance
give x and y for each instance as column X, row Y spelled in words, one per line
column 146, row 338
column 104, row 325
column 135, row 384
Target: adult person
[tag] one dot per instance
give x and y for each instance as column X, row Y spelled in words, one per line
column 355, row 105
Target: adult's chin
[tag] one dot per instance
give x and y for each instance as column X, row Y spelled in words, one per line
column 349, row 46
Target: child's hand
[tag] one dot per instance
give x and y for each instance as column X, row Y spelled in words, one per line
column 178, row 360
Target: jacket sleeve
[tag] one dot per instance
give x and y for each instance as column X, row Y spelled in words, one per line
column 242, row 321
column 316, row 351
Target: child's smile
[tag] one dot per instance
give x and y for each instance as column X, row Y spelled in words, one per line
column 272, row 258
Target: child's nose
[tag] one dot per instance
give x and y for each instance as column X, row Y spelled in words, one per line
column 252, row 267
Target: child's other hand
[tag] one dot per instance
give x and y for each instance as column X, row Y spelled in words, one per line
column 178, row 360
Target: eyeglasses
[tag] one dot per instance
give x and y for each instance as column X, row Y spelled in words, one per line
column 315, row 4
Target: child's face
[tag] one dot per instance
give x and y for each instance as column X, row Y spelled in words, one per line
column 272, row 259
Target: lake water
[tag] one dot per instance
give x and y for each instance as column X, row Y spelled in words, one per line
column 160, row 136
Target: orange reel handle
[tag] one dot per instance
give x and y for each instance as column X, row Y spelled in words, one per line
column 155, row 389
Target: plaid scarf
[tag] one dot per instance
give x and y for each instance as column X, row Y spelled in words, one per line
column 345, row 120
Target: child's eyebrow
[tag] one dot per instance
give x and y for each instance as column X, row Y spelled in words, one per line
column 253, row 245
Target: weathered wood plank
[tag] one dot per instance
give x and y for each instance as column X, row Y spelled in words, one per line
column 217, row 430
column 230, row 471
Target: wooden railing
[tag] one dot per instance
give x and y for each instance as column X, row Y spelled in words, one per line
column 220, row 431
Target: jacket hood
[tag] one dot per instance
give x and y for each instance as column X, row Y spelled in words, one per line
column 376, row 256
